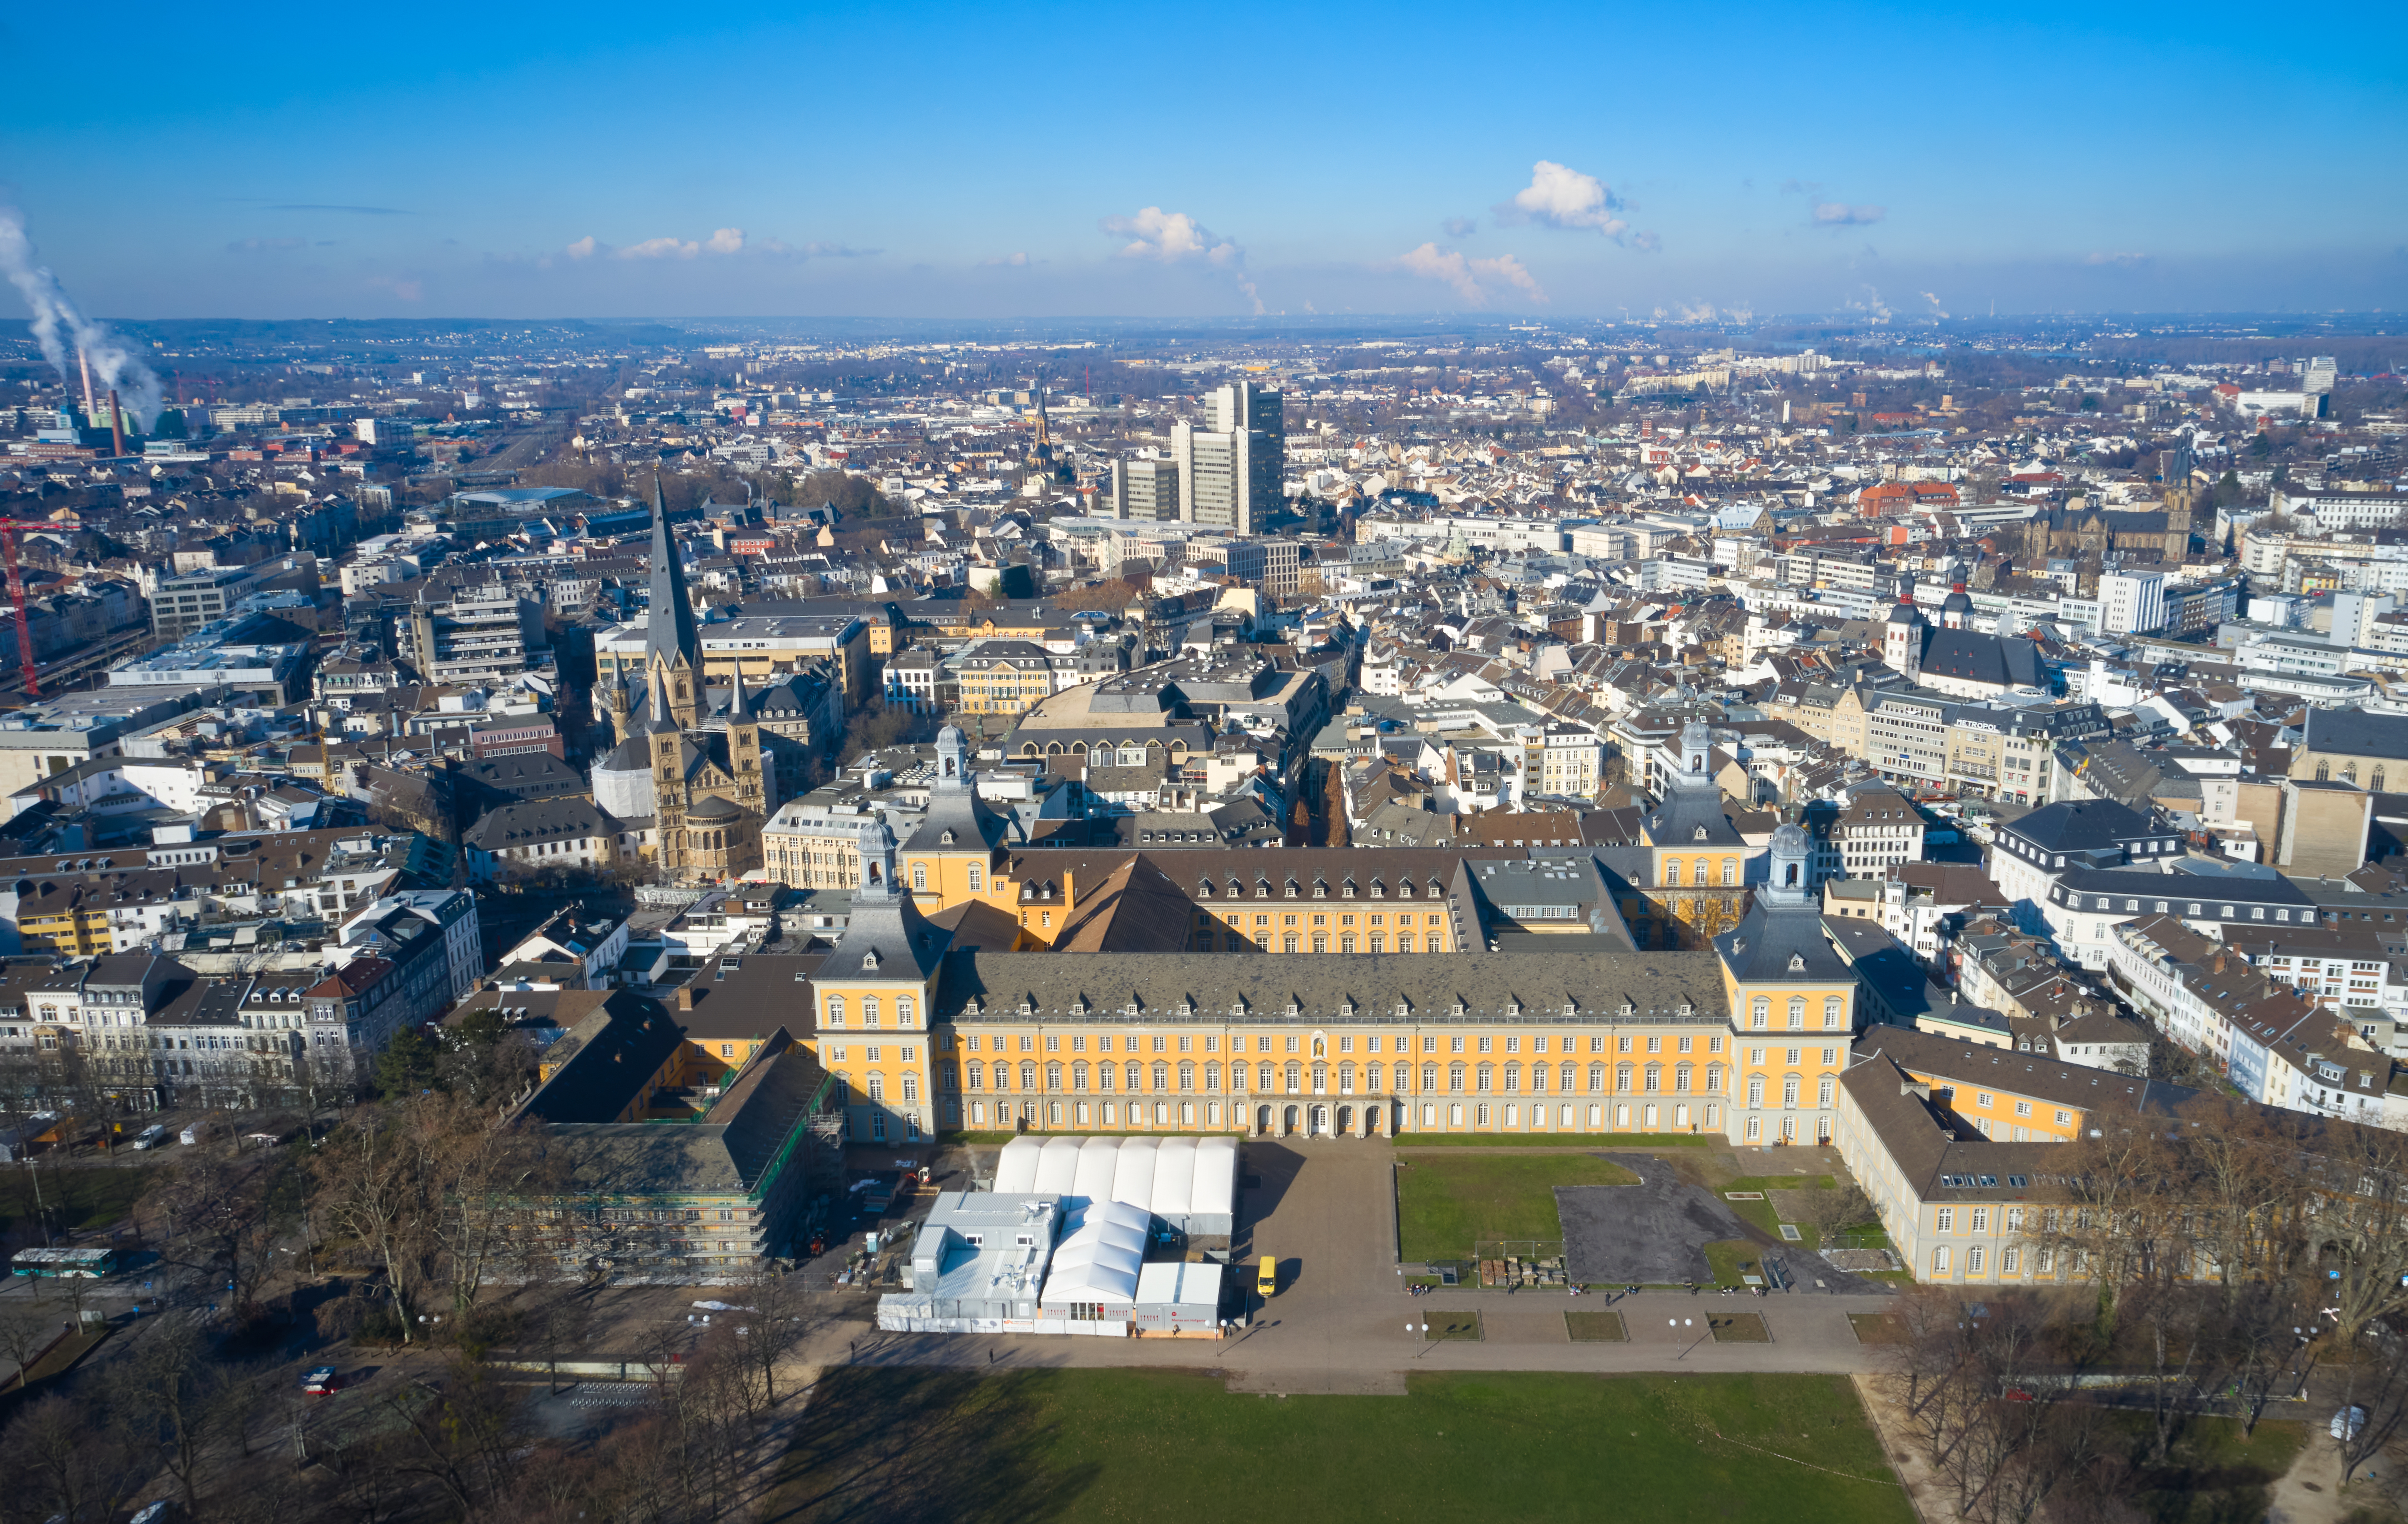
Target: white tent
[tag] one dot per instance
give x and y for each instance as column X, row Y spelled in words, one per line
column 1015, row 1168
column 1099, row 1260
column 1058, row 1167
column 1097, row 1163
column 1174, row 1178
column 1190, row 1184
column 1133, row 1182
column 1216, row 1186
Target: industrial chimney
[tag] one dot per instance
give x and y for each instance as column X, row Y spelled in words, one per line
column 116, row 423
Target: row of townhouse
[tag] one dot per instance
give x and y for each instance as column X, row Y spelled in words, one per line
column 143, row 1030
column 2279, row 1045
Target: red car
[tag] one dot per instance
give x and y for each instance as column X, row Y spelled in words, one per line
column 322, row 1382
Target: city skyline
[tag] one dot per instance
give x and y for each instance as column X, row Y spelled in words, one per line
column 1046, row 163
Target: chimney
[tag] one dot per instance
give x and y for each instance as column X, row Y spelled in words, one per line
column 116, row 422
column 85, row 361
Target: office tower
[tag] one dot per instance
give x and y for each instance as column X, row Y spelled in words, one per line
column 1145, row 489
column 1230, row 470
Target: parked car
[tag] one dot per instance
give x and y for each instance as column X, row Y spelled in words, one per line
column 2346, row 1423
column 324, row 1381
column 151, row 1137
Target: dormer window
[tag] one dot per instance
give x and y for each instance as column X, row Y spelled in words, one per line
column 1797, row 963
column 1204, row 890
column 869, row 961
column 1405, row 888
column 1320, row 890
column 1379, row 890
column 1346, row 891
column 1291, row 888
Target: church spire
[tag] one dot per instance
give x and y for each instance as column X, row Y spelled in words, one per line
column 735, row 694
column 669, row 634
column 661, row 718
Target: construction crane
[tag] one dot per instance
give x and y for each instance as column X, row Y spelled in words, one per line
column 8, row 528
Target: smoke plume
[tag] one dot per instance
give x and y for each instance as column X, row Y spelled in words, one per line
column 57, row 321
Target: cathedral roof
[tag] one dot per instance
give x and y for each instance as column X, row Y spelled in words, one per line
column 669, row 632
column 711, row 810
column 1970, row 656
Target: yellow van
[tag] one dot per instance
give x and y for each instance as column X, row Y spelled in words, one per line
column 1267, row 1279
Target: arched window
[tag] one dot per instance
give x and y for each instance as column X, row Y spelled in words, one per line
column 1797, row 1011
column 2349, row 771
column 835, row 1010
column 2375, row 783
column 1790, row 877
column 2324, row 772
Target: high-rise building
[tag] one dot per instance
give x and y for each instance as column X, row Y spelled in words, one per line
column 1230, row 470
column 1145, row 489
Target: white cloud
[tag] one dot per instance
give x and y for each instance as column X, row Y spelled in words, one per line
column 583, row 248
column 659, row 248
column 2129, row 259
column 1461, row 227
column 1472, row 278
column 1559, row 196
column 726, row 241
column 1172, row 237
column 1839, row 214
column 1177, row 238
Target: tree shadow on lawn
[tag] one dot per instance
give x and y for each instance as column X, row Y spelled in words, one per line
column 911, row 1442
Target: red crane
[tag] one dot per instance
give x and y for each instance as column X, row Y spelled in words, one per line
column 8, row 528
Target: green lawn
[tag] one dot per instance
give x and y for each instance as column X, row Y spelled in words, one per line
column 1558, row 1140
column 82, row 1197
column 905, row 1443
column 1444, row 1206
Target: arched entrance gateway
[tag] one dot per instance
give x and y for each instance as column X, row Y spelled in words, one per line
column 1345, row 1119
column 1320, row 1121
column 1288, row 1122
column 1262, row 1122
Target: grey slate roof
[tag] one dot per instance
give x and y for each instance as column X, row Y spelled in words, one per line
column 2354, row 732
column 1548, row 987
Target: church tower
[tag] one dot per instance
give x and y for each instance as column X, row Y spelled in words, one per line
column 1903, row 636
column 744, row 750
column 2180, row 500
column 672, row 648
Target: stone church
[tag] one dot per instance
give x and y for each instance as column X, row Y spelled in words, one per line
column 688, row 760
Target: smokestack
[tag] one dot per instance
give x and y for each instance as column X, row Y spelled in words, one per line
column 85, row 360
column 116, row 422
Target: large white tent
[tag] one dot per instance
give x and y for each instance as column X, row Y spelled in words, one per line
column 1099, row 1261
column 1189, row 1184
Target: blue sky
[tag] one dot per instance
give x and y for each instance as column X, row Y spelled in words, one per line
column 936, row 160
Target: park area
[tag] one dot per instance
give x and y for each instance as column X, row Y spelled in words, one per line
column 1448, row 1206
column 906, row 1444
